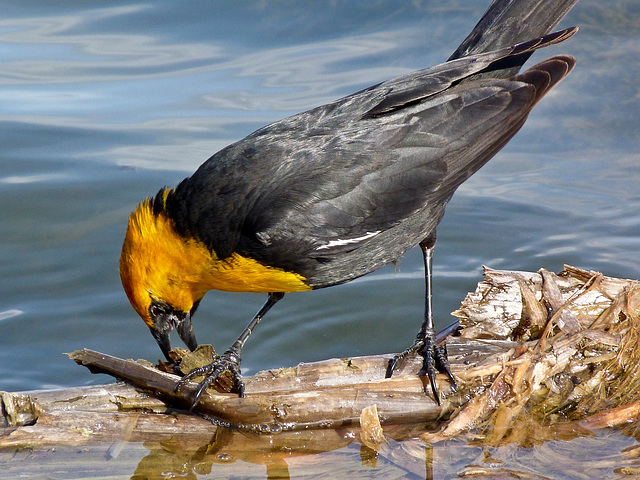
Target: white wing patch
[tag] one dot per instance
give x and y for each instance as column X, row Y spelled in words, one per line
column 347, row 241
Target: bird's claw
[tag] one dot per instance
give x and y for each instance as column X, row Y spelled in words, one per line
column 434, row 360
column 229, row 361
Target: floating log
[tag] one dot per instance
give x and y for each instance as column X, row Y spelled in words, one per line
column 534, row 348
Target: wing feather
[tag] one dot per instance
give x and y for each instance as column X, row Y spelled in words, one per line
column 373, row 170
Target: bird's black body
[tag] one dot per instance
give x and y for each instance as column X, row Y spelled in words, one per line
column 341, row 190
column 328, row 195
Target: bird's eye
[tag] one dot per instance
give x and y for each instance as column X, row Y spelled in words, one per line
column 156, row 310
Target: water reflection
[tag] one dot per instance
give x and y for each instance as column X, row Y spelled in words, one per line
column 208, row 452
column 565, row 453
column 319, row 454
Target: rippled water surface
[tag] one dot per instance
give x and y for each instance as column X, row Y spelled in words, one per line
column 102, row 103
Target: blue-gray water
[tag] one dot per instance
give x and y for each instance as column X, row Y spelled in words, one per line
column 102, row 103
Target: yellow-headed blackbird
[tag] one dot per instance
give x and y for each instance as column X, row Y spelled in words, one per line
column 328, row 195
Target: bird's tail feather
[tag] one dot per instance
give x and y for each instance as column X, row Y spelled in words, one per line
column 547, row 74
column 507, row 22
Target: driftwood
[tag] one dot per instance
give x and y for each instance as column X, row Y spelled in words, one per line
column 553, row 355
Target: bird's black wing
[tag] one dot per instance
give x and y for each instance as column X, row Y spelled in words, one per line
column 351, row 189
column 373, row 170
column 380, row 180
column 253, row 183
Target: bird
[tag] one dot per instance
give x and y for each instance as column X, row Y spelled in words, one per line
column 331, row 194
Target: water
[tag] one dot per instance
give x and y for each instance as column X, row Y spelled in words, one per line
column 102, row 103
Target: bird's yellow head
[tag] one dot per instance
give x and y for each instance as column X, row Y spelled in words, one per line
column 162, row 273
column 165, row 274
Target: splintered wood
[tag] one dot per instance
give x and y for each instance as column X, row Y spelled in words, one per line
column 570, row 351
column 537, row 355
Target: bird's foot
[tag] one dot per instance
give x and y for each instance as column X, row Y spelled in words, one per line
column 228, row 362
column 434, row 360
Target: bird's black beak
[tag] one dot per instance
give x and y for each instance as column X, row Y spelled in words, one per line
column 185, row 331
column 164, row 320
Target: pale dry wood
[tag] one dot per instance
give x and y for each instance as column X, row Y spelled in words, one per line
column 584, row 362
column 503, row 369
column 327, row 393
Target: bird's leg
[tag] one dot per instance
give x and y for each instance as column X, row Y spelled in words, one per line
column 230, row 360
column 425, row 345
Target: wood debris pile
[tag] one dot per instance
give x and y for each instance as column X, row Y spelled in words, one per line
column 565, row 351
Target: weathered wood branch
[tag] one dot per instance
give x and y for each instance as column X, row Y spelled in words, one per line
column 327, row 393
column 530, row 344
